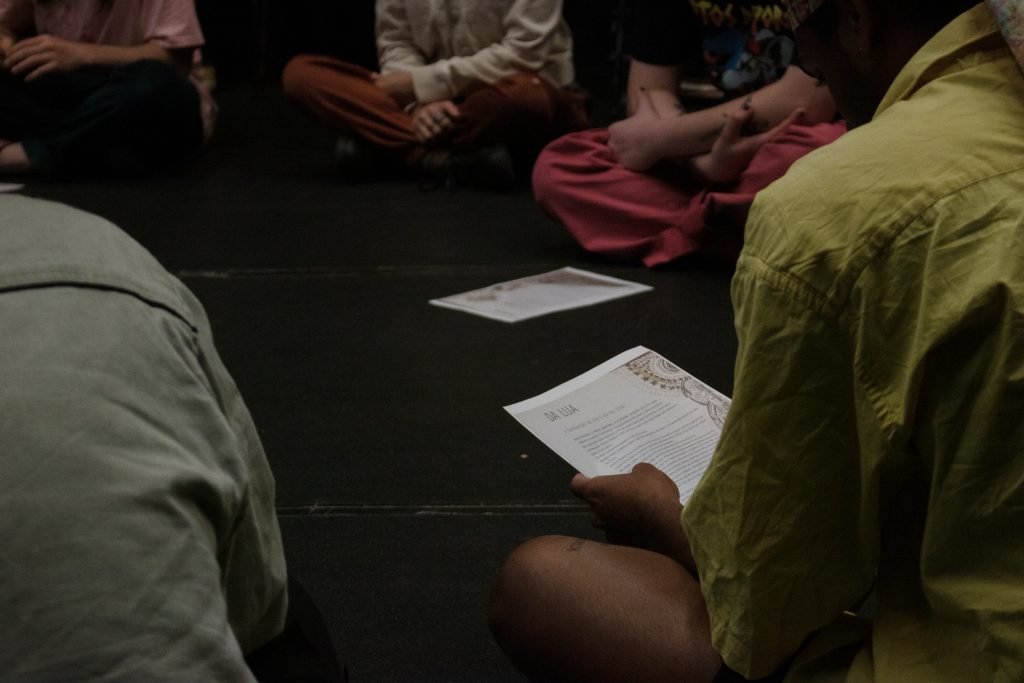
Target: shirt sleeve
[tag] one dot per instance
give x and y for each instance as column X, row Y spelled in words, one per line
column 776, row 525
column 172, row 23
column 525, row 47
column 128, row 545
column 252, row 556
column 395, row 46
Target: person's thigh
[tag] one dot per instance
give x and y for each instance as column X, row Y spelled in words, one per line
column 568, row 609
column 136, row 117
column 33, row 106
column 344, row 97
column 523, row 111
column 650, row 217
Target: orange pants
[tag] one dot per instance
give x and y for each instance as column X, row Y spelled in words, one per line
column 523, row 111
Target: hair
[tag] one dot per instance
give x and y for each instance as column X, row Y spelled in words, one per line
column 925, row 14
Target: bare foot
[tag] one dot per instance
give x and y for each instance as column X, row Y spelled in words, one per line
column 13, row 159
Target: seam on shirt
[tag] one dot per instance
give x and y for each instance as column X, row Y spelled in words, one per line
column 872, row 253
column 56, row 279
column 790, row 285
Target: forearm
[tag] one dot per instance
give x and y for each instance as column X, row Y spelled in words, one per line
column 660, row 83
column 694, row 133
column 114, row 55
column 396, row 49
column 675, row 543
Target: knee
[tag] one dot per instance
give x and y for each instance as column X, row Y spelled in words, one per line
column 518, row 82
column 542, row 177
column 517, row 598
column 526, row 97
column 152, row 83
column 561, row 169
column 152, row 97
column 298, row 79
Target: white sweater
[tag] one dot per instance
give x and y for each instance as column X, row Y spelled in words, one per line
column 448, row 45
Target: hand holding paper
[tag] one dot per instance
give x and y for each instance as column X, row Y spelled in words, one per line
column 639, row 509
column 635, row 408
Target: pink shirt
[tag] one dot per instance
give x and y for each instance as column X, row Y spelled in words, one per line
column 170, row 23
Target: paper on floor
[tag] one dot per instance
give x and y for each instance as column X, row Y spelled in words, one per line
column 536, row 295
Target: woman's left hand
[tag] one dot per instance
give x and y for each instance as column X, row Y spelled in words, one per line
column 41, row 55
column 733, row 151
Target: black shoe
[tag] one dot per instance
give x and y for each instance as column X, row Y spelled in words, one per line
column 484, row 168
column 352, row 160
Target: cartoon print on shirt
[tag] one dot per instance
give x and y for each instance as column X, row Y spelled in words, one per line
column 745, row 47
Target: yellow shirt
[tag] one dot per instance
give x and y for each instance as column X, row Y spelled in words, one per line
column 876, row 436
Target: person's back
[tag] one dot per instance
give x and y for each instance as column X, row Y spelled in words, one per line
column 136, row 505
column 885, row 274
column 874, row 441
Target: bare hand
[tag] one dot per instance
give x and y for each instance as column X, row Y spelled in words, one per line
column 432, row 121
column 40, row 55
column 732, row 152
column 6, row 42
column 398, row 84
column 636, row 141
column 639, row 509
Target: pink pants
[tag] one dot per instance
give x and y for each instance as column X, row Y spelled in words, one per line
column 658, row 217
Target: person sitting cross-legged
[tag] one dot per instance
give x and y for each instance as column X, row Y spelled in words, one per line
column 100, row 86
column 874, row 445
column 675, row 178
column 467, row 91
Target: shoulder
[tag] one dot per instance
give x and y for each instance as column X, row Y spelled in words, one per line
column 47, row 243
column 846, row 205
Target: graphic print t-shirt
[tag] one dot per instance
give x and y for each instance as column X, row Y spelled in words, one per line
column 738, row 46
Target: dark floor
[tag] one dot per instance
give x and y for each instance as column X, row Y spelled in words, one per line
column 401, row 481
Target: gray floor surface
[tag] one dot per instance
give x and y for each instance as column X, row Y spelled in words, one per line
column 401, row 481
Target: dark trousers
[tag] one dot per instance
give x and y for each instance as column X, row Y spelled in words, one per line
column 128, row 119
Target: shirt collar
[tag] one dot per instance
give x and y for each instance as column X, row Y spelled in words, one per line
column 964, row 42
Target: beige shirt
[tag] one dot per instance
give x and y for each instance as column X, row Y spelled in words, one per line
column 136, row 504
column 449, row 45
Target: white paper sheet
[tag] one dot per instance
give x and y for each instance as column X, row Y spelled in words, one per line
column 536, row 295
column 636, row 407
